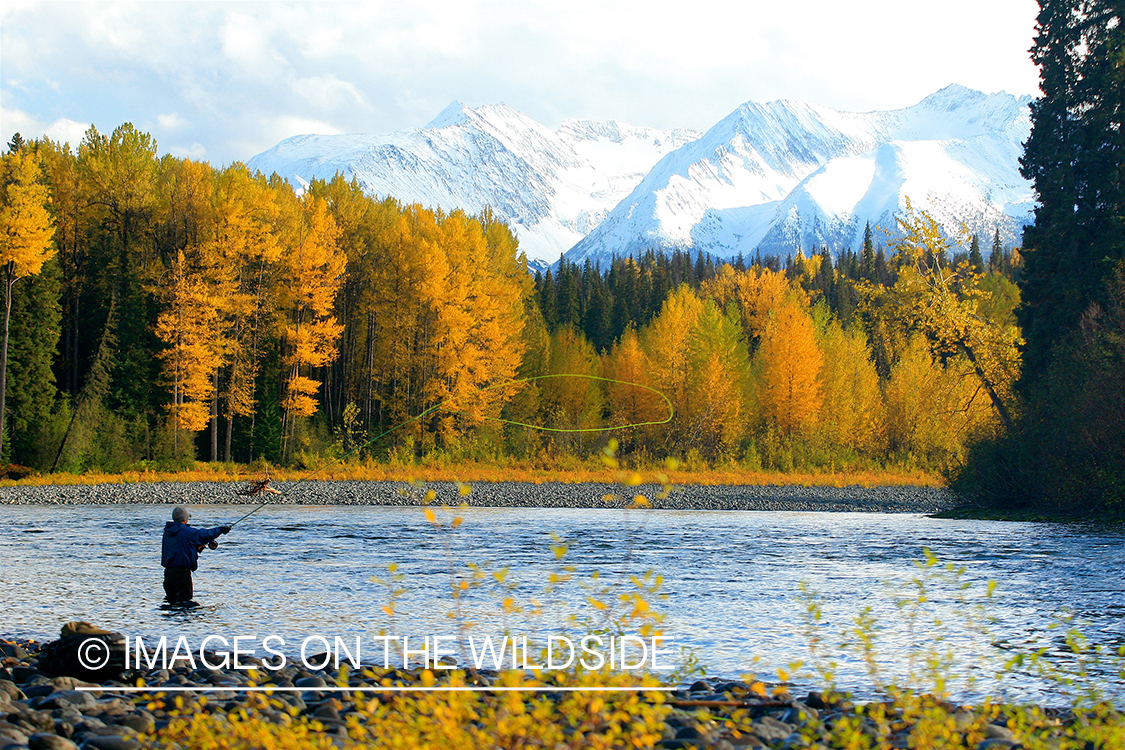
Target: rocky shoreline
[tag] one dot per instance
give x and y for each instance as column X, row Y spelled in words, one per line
column 44, row 711
column 893, row 499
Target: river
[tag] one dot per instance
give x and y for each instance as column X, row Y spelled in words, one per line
column 730, row 591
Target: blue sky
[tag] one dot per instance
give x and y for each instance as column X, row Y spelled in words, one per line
column 223, row 81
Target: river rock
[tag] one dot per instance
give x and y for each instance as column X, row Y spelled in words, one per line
column 36, row 721
column 12, row 733
column 995, row 743
column 772, row 730
column 748, row 740
column 110, row 742
column 48, row 741
column 141, row 722
column 79, row 699
column 12, row 650
column 70, row 683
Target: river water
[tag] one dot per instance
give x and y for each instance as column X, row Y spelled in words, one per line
column 730, row 595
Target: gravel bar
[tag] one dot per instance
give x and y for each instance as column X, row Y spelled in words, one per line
column 894, row 499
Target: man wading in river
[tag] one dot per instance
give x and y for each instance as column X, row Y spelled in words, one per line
column 180, row 554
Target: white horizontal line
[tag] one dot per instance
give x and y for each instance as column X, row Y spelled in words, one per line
column 392, row 689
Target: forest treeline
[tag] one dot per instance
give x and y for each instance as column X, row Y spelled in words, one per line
column 183, row 312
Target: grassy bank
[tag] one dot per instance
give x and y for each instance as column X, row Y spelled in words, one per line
column 590, row 471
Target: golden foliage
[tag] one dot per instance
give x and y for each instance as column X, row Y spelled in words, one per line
column 945, row 304
column 930, row 407
column 312, row 271
column 190, row 325
column 791, row 364
column 26, row 227
column 756, row 293
column 852, row 411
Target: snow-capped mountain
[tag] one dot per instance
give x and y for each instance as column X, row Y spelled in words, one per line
column 773, row 177
column 552, row 188
column 788, row 175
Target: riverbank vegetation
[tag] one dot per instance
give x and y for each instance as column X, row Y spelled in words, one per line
column 572, row 472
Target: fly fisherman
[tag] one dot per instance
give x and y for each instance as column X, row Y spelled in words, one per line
column 180, row 554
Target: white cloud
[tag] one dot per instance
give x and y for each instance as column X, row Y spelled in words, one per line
column 195, row 152
column 328, row 92
column 171, row 121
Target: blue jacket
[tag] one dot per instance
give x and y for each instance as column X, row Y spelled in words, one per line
column 182, row 543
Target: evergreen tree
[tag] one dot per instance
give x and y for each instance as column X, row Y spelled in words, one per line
column 867, row 259
column 32, row 393
column 996, row 255
column 976, row 260
column 1075, row 156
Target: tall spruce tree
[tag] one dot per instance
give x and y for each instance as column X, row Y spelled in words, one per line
column 1065, row 452
column 1075, row 157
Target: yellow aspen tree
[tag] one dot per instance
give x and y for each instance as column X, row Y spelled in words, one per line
column 757, row 292
column 576, row 402
column 26, row 231
column 627, row 403
column 478, row 308
column 851, row 413
column 408, row 271
column 524, row 404
column 944, row 304
column 666, row 344
column 190, row 325
column 791, row 361
column 932, row 409
column 719, row 362
column 243, row 250
column 313, row 270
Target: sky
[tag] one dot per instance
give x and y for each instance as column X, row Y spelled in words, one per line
column 221, row 81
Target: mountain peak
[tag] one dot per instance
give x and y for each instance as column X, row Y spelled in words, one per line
column 455, row 114
column 954, row 96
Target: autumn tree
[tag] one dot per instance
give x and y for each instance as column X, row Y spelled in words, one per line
column 191, row 327
column 628, row 403
column 943, row 303
column 851, row 412
column 719, row 362
column 26, row 230
column 755, row 293
column 666, row 343
column 791, row 361
column 243, row 247
column 313, row 269
column 572, row 399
